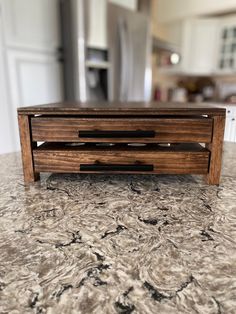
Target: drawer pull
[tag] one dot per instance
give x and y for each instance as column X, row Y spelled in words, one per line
column 116, row 134
column 115, row 167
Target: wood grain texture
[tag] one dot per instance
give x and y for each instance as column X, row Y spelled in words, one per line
column 26, row 149
column 178, row 160
column 216, row 149
column 174, row 130
column 162, row 122
column 123, row 108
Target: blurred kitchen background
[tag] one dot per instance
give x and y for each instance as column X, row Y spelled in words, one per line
column 125, row 50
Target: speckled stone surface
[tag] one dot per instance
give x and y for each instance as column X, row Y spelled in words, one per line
column 117, row 244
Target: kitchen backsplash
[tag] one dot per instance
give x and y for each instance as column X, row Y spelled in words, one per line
column 181, row 89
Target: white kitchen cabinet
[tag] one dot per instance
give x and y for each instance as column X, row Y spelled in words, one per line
column 97, row 20
column 31, row 24
column 230, row 124
column 34, row 78
column 32, row 72
column 196, row 40
column 129, row 4
column 230, row 129
column 173, row 10
column 97, row 24
column 199, row 42
column 226, row 59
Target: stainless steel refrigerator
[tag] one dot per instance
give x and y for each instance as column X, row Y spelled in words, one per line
column 129, row 43
column 128, row 76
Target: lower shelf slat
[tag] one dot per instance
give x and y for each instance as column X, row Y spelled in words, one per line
column 176, row 159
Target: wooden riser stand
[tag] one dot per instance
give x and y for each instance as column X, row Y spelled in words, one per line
column 153, row 138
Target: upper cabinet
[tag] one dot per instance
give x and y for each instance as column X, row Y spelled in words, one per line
column 97, row 28
column 31, row 24
column 129, row 4
column 205, row 35
column 196, row 40
column 170, row 10
column 207, row 46
column 199, row 43
column 230, row 124
column 97, row 20
column 226, row 58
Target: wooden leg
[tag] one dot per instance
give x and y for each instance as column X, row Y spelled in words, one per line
column 216, row 149
column 26, row 149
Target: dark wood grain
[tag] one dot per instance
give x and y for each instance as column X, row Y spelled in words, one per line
column 173, row 160
column 26, row 149
column 161, row 123
column 172, row 130
column 124, row 108
column 216, row 149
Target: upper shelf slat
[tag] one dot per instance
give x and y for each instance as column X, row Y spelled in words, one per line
column 122, row 108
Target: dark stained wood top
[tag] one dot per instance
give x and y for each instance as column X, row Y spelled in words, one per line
column 122, row 108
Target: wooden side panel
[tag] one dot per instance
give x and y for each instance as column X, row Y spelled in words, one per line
column 216, row 149
column 163, row 162
column 26, row 149
column 192, row 130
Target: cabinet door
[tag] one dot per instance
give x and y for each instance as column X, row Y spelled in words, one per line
column 227, row 129
column 233, row 130
column 31, row 24
column 97, row 20
column 230, row 129
column 129, row 4
column 30, row 40
column 171, row 10
column 97, row 26
column 33, row 79
column 199, row 46
column 227, row 46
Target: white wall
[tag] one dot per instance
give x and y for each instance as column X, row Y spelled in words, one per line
column 170, row 10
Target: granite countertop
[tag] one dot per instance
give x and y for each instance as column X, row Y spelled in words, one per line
column 117, row 244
